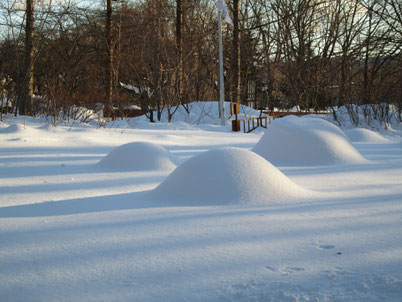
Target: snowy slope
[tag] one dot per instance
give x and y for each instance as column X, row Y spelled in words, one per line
column 70, row 231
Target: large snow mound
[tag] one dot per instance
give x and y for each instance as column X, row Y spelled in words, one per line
column 306, row 141
column 228, row 176
column 139, row 156
column 361, row 135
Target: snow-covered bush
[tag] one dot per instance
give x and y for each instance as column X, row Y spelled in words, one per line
column 374, row 116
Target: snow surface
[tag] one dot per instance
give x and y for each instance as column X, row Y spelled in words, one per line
column 361, row 135
column 139, row 156
column 70, row 231
column 306, row 141
column 228, row 176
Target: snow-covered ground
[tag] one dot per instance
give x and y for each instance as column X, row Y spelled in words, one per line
column 226, row 225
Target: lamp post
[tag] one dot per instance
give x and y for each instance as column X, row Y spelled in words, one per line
column 221, row 83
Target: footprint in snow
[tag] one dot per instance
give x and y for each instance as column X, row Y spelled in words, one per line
column 285, row 270
column 272, row 269
column 326, row 246
column 294, row 269
column 290, row 270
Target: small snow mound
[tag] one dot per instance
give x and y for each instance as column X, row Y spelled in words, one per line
column 228, row 176
column 361, row 135
column 306, row 141
column 139, row 156
column 15, row 128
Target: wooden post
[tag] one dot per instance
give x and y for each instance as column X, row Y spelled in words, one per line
column 234, row 109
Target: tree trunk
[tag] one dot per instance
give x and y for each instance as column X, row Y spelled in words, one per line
column 25, row 106
column 236, row 48
column 179, row 46
column 109, row 72
column 366, row 85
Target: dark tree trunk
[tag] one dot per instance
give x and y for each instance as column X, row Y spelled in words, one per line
column 236, row 49
column 25, row 106
column 179, row 46
column 109, row 50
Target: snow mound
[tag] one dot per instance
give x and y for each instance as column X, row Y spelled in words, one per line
column 15, row 128
column 306, row 141
column 228, row 176
column 361, row 135
column 139, row 156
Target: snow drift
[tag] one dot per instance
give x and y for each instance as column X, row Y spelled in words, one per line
column 15, row 129
column 361, row 135
column 228, row 176
column 139, row 156
column 306, row 141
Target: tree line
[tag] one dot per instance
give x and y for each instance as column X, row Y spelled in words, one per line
column 59, row 56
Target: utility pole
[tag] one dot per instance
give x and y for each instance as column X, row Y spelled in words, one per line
column 221, row 82
column 222, row 10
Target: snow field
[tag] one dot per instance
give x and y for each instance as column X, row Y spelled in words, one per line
column 71, row 231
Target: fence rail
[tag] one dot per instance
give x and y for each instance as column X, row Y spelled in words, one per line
column 249, row 124
column 277, row 114
column 252, row 123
